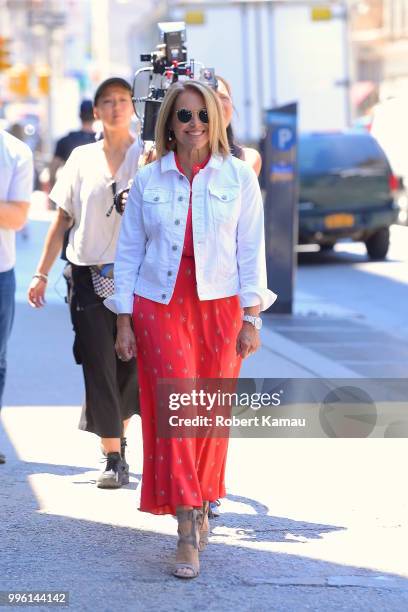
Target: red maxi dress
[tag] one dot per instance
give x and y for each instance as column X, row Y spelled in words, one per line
column 185, row 339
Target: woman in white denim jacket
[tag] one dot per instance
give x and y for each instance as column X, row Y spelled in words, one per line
column 190, row 260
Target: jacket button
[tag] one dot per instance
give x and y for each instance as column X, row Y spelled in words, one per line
column 163, row 296
column 156, row 199
column 180, row 198
column 180, row 177
column 177, row 222
column 223, row 197
column 174, row 247
column 169, row 273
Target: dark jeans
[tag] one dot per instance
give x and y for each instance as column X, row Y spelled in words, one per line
column 7, row 293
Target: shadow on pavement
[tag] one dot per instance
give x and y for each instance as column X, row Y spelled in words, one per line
column 262, row 527
column 110, row 567
column 335, row 257
column 330, row 257
column 32, row 468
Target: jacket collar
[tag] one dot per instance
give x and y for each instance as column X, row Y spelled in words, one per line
column 168, row 162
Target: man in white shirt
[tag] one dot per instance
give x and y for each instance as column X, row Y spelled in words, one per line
column 16, row 171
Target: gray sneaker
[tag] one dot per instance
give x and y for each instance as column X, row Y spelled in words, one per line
column 115, row 474
column 123, row 445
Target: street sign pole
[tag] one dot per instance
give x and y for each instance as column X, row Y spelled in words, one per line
column 281, row 216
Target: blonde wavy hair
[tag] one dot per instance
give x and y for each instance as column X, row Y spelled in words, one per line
column 218, row 141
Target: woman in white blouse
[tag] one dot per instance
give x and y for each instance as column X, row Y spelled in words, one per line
column 84, row 196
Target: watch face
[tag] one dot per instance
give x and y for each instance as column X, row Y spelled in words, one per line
column 258, row 323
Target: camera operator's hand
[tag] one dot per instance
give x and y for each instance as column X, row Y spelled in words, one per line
column 125, row 344
column 120, row 200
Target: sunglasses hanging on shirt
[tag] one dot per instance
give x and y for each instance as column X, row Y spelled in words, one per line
column 109, row 211
column 185, row 116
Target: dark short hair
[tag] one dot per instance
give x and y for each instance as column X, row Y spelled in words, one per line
column 118, row 81
column 86, row 110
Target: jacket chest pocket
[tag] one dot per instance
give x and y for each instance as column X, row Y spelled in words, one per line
column 156, row 207
column 224, row 203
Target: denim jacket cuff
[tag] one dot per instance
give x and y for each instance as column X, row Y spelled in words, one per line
column 119, row 303
column 252, row 296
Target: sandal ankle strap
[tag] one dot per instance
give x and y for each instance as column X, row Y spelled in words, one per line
column 191, row 516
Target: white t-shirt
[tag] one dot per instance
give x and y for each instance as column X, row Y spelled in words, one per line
column 84, row 191
column 16, row 185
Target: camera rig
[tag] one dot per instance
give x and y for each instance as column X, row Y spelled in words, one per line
column 168, row 64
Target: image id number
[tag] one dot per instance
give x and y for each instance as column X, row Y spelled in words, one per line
column 34, row 598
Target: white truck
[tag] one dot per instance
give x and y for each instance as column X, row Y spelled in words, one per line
column 274, row 52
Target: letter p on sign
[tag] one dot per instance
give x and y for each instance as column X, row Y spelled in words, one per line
column 283, row 138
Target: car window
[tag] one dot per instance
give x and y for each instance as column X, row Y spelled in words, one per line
column 336, row 152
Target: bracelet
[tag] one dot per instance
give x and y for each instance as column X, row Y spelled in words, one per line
column 43, row 277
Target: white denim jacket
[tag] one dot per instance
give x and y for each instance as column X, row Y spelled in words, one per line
column 228, row 234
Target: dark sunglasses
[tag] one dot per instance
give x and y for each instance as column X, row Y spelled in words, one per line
column 185, row 116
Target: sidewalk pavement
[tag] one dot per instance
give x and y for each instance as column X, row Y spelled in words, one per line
column 308, row 524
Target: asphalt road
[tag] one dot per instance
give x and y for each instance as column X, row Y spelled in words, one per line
column 376, row 292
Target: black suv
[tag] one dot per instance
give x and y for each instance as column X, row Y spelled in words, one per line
column 347, row 190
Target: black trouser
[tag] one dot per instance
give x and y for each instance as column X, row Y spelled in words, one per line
column 111, row 385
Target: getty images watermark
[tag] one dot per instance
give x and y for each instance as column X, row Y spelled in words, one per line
column 259, row 408
column 215, row 403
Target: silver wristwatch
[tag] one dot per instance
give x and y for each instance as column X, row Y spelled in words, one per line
column 255, row 321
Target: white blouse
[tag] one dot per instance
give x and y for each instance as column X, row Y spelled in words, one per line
column 84, row 191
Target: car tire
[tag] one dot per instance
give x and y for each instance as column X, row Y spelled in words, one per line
column 377, row 244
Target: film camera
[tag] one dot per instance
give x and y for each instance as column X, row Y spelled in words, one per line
column 168, row 64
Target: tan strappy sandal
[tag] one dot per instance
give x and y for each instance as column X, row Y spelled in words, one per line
column 204, row 526
column 188, row 536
